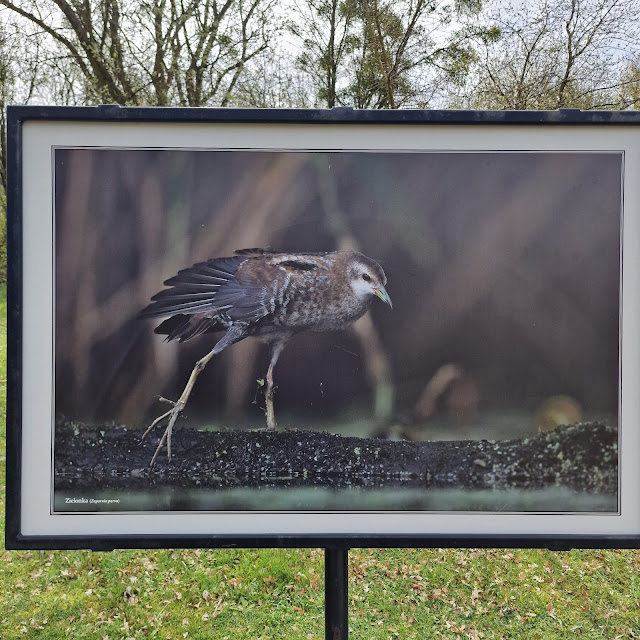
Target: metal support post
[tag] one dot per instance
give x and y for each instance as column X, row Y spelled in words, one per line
column 336, row 594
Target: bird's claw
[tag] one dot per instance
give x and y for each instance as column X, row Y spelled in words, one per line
column 172, row 416
column 154, row 423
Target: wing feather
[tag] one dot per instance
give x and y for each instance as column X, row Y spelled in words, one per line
column 195, row 290
column 211, row 289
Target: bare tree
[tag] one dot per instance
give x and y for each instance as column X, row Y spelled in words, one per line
column 272, row 81
column 159, row 52
column 23, row 77
column 559, row 53
column 14, row 87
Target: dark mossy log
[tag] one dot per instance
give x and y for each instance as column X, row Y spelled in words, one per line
column 581, row 457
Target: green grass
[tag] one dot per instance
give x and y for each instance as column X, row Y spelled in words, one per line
column 265, row 594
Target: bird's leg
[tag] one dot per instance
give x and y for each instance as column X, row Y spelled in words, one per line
column 234, row 334
column 276, row 350
column 178, row 406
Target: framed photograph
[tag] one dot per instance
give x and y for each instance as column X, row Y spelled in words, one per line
column 322, row 328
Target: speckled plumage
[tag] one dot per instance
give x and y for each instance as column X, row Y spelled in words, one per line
column 265, row 294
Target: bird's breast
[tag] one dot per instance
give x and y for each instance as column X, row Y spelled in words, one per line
column 315, row 305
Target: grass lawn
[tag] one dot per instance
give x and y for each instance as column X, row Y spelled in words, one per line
column 264, row 594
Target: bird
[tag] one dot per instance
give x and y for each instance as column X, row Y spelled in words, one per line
column 265, row 294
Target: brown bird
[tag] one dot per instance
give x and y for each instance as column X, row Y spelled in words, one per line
column 265, row 294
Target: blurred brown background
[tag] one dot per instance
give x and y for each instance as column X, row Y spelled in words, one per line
column 503, row 269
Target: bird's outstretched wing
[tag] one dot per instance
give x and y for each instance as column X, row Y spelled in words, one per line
column 239, row 290
column 195, row 290
column 207, row 297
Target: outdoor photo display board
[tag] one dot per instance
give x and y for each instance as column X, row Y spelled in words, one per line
column 455, row 295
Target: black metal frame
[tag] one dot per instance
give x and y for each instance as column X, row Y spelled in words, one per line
column 18, row 115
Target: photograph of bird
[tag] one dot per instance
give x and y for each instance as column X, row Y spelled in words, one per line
column 265, row 294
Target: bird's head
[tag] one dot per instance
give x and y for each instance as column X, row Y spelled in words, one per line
column 367, row 278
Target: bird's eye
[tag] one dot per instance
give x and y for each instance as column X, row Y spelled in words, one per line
column 366, row 277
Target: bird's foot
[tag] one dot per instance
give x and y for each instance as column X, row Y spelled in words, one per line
column 171, row 416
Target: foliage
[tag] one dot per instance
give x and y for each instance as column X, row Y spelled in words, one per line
column 5, row 84
column 362, row 53
column 382, row 54
column 3, row 380
column 3, row 235
column 630, row 83
column 326, row 30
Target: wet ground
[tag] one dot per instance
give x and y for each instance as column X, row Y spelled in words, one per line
column 569, row 462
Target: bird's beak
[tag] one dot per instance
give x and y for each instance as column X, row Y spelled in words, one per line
column 381, row 292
